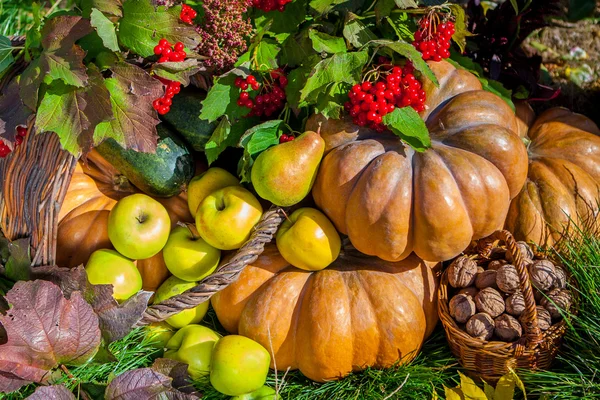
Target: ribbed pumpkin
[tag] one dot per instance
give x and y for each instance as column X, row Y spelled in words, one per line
column 95, row 188
column 563, row 182
column 361, row 311
column 391, row 200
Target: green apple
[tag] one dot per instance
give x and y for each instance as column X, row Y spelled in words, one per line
column 264, row 393
column 159, row 333
column 108, row 267
column 206, row 183
column 308, row 240
column 138, row 226
column 172, row 287
column 188, row 256
column 225, row 218
column 193, row 345
column 239, row 365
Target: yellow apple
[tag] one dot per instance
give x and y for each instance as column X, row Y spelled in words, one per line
column 159, row 333
column 206, row 183
column 225, row 218
column 188, row 256
column 108, row 267
column 193, row 345
column 138, row 226
column 308, row 240
column 174, row 286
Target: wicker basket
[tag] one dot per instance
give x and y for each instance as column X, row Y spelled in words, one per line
column 489, row 360
column 33, row 183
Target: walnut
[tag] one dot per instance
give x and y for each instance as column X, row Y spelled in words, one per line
column 480, row 326
column 515, row 304
column 507, row 328
column 558, row 300
column 498, row 253
column 560, row 280
column 462, row 271
column 542, row 274
column 544, row 319
column 469, row 291
column 495, row 264
column 507, row 278
column 462, row 307
column 486, row 279
column 525, row 250
column 538, row 295
column 490, row 301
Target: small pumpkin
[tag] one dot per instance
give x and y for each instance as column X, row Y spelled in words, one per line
column 95, row 188
column 391, row 200
column 360, row 311
column 563, row 182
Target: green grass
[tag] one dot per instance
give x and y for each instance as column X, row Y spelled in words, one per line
column 16, row 16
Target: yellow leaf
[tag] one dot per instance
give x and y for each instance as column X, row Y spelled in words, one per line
column 489, row 390
column 470, row 390
column 505, row 388
column 519, row 383
column 453, row 393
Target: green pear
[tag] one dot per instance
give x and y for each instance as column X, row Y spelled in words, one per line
column 284, row 174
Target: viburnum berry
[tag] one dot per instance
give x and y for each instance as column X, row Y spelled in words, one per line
column 270, row 98
column 4, row 149
column 187, row 14
column 433, row 39
column 270, row 5
column 286, row 138
column 21, row 131
column 395, row 87
column 168, row 52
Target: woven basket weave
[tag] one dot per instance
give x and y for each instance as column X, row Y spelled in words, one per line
column 489, row 360
column 33, row 183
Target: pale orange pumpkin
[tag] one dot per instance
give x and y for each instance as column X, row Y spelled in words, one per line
column 563, row 182
column 391, row 200
column 95, row 188
column 360, row 311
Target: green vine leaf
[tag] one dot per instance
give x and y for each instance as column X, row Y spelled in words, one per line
column 407, row 125
column 357, row 33
column 329, row 103
column 6, row 57
column 105, row 28
column 265, row 55
column 177, row 71
column 256, row 140
column 407, row 50
column 110, row 7
column 295, row 49
column 324, row 43
column 403, row 4
column 221, row 98
column 226, row 135
column 142, row 26
column 287, row 21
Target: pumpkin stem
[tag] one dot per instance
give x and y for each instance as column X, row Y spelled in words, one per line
column 191, row 228
column 122, row 184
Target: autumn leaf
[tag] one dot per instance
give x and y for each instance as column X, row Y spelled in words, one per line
column 12, row 113
column 144, row 383
column 178, row 71
column 177, row 371
column 54, row 392
column 44, row 329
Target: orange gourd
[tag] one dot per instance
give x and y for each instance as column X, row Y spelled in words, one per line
column 360, row 311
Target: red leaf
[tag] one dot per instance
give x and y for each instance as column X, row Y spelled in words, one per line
column 44, row 330
column 12, row 113
column 55, row 392
column 144, row 383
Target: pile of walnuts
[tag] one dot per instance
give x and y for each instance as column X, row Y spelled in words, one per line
column 488, row 303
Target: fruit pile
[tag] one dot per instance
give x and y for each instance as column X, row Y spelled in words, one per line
column 270, row 5
column 370, row 102
column 21, row 133
column 269, row 100
column 171, row 53
column 489, row 304
column 433, row 39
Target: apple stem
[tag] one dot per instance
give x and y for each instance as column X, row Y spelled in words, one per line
column 191, row 228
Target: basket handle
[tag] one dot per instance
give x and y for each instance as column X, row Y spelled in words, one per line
column 225, row 275
column 533, row 335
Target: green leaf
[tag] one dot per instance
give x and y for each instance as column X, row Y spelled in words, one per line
column 499, row 90
column 265, row 55
column 407, row 125
column 296, row 81
column 6, row 57
column 580, row 9
column 18, row 265
column 105, row 29
column 324, row 6
column 226, row 135
column 341, row 67
column 142, row 26
column 407, row 50
column 295, row 49
column 12, row 112
column 330, row 102
column 177, row 71
column 282, row 22
column 260, row 137
column 400, row 25
column 460, row 23
column 383, row 8
column 403, row 4
column 463, row 62
column 488, row 390
column 515, row 6
column 357, row 33
column 111, row 7
column 323, row 42
column 222, row 99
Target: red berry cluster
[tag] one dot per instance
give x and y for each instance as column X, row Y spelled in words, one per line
column 286, row 138
column 163, row 104
column 270, row 5
column 168, row 52
column 21, row 133
column 369, row 102
column 433, row 40
column 187, row 14
column 271, row 97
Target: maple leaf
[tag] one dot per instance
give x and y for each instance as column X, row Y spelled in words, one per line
column 115, row 320
column 12, row 113
column 44, row 329
column 144, row 383
column 73, row 113
column 60, row 59
column 54, row 392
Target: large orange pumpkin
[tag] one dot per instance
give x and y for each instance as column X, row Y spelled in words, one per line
column 95, row 188
column 360, row 311
column 563, row 182
column 391, row 200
